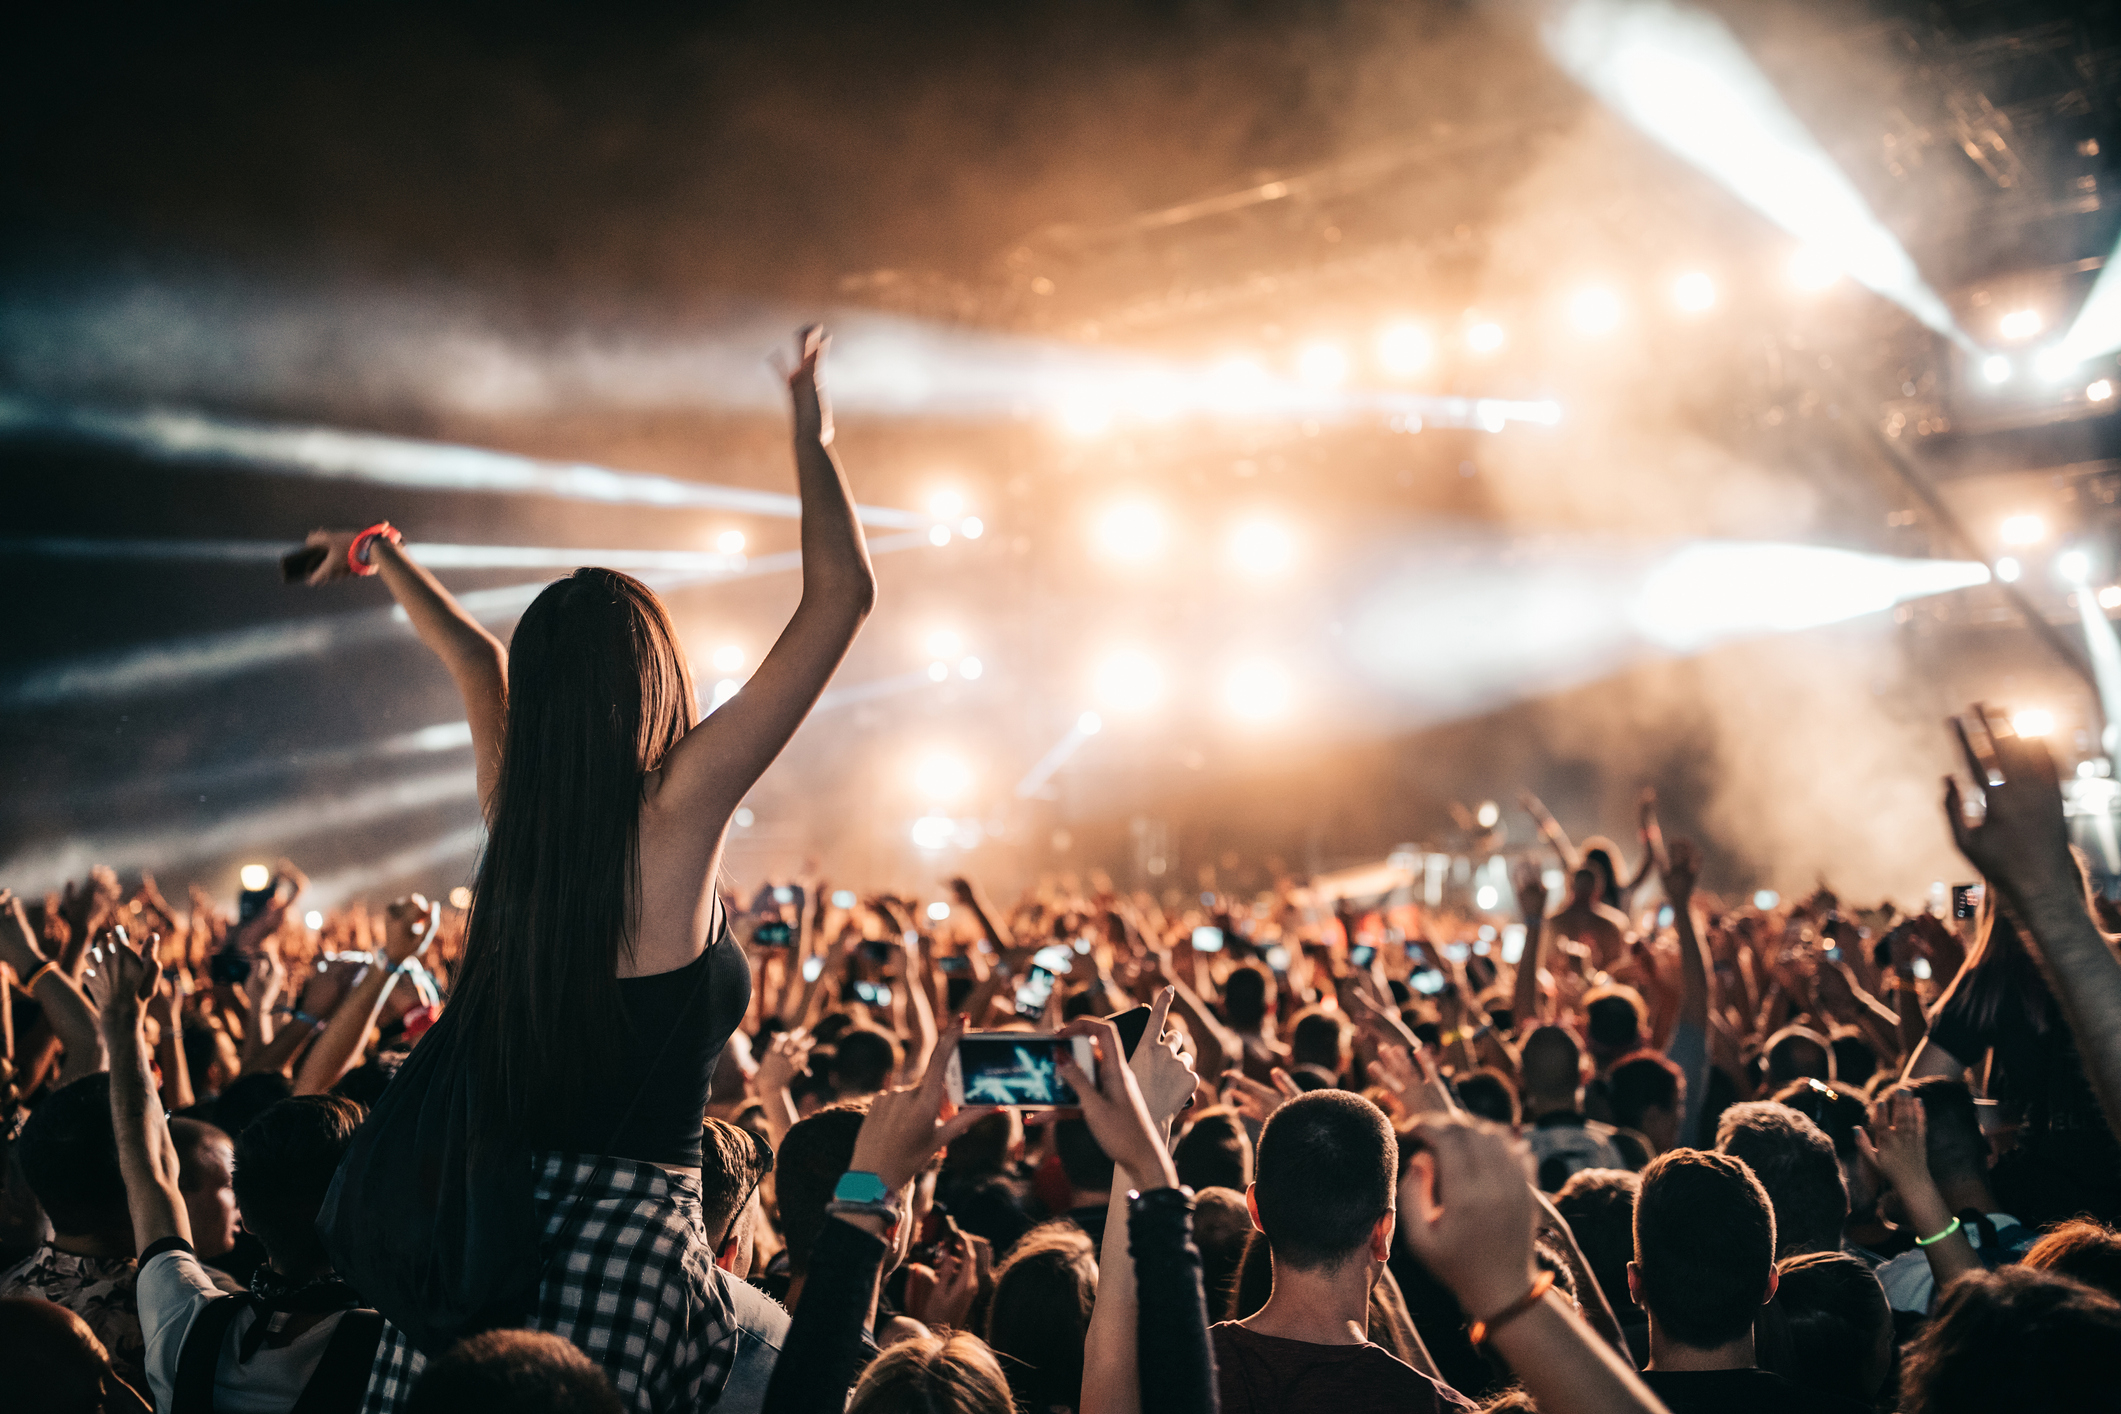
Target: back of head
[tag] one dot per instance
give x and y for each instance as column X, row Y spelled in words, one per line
column 984, row 1148
column 514, row 1372
column 1835, row 1106
column 2014, row 1339
column 864, row 1060
column 933, row 1374
column 1214, row 1152
column 285, row 1160
column 69, row 1154
column 1704, row 1246
column 53, row 1361
column 1326, row 1171
column 598, row 692
column 1487, row 1092
column 2081, row 1250
column 247, row 1097
column 1795, row 1052
column 1855, row 1059
column 812, row 1158
column 1614, row 1016
column 1840, row 1326
column 1795, row 1163
column 1041, row 1312
column 1319, row 1037
column 732, row 1161
column 1958, row 1151
column 1221, row 1228
column 1552, row 1065
column 192, row 1139
column 1599, row 1205
column 1643, row 1082
column 1245, row 993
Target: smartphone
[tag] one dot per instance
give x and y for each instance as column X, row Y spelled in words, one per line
column 1362, row 955
column 1966, row 900
column 1457, row 952
column 874, row 993
column 1057, row 959
column 1207, row 939
column 1131, row 1025
column 953, row 965
column 298, row 565
column 252, row 902
column 1019, row 1069
column 773, row 934
column 1428, row 981
column 1032, row 996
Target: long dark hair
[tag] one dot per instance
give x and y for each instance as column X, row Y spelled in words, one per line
column 598, row 692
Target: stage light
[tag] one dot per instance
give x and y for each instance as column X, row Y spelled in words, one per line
column 938, row 911
column 1996, row 368
column 2033, row 721
column 1485, row 337
column 723, row 691
column 942, row 777
column 1085, row 416
column 2099, row 391
column 1262, row 546
column 938, row 535
column 1130, row 681
column 2110, row 597
column 312, row 920
column 1131, row 530
column 1694, row 292
column 2074, row 566
column 2008, row 569
column 1089, row 724
column 460, row 898
column 1486, row 897
column 1594, row 311
column 943, row 643
column 1154, row 396
column 1235, row 385
column 972, row 527
column 1682, row 77
column 1765, row 899
column 254, row 877
column 1706, row 593
column 1812, row 269
column 727, row 658
column 1488, row 814
column 2019, row 324
column 933, row 832
column 938, row 671
column 1256, row 690
column 1404, row 349
column 729, row 542
column 1322, row 365
column 2055, row 363
column 945, row 505
column 2024, row 530
column 970, row 668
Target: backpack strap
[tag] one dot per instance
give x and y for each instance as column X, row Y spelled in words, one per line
column 341, row 1379
column 192, row 1392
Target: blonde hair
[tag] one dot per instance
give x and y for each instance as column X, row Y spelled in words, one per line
column 934, row 1374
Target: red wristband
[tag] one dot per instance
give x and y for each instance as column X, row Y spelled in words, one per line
column 357, row 553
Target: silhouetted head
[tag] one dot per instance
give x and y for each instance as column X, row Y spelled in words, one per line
column 1704, row 1247
column 514, row 1372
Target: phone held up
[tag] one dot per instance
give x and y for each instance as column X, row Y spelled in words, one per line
column 1017, row 1069
column 1966, row 900
column 1047, row 964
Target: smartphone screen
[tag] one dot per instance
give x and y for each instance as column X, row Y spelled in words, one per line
column 1428, row 982
column 1012, row 1068
column 1057, row 959
column 772, row 934
column 1207, row 939
column 954, row 964
column 1362, row 954
column 1032, row 996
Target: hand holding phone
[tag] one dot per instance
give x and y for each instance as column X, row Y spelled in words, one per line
column 1112, row 1105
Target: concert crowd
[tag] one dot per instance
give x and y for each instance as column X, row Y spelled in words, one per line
column 619, row 1136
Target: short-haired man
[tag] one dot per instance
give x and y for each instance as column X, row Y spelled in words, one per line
column 733, row 1161
column 1325, row 1194
column 1563, row 1139
column 1704, row 1266
column 1796, row 1165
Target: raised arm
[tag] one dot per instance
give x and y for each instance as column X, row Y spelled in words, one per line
column 474, row 657
column 708, row 773
column 146, row 1158
column 73, row 1019
column 1550, row 830
column 1532, row 903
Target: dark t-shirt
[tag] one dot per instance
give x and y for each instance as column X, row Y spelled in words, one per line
column 1264, row 1374
column 1740, row 1392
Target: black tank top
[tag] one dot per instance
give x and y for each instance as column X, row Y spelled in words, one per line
column 694, row 1009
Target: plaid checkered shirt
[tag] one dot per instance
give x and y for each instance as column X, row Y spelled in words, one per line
column 631, row 1281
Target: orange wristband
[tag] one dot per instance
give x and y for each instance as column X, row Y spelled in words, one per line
column 1479, row 1331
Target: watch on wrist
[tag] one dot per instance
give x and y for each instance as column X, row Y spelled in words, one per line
column 863, row 1188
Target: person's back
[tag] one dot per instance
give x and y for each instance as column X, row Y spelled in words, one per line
column 1324, row 1196
column 1704, row 1266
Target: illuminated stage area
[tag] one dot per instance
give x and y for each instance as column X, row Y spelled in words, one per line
column 1275, row 436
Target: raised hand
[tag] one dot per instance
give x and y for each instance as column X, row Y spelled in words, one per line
column 133, row 979
column 409, row 928
column 943, row 1295
column 2021, row 842
column 18, row 942
column 1162, row 1072
column 785, row 1059
column 904, row 1128
column 1114, row 1109
column 1529, row 881
column 813, row 415
column 1895, row 1140
column 1258, row 1102
column 1682, row 870
column 1467, row 1211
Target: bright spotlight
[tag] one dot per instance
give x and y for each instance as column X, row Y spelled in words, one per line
column 1694, row 292
column 1262, row 546
column 2020, row 324
column 1813, row 269
column 970, row 668
column 728, row 658
column 1485, row 337
column 1594, row 311
column 1709, row 592
column 1681, row 76
column 1085, row 416
column 1089, row 724
column 1486, row 897
column 460, row 898
column 1130, row 681
column 730, row 542
column 2074, row 566
column 723, row 691
column 938, row 671
column 2099, row 391
column 2024, row 530
column 254, row 877
column 312, row 920
column 944, row 643
column 2055, row 364
column 938, row 535
column 2008, row 569
column 1996, row 368
column 1256, row 691
column 1488, row 814
column 1236, row 384
column 972, row 527
column 1404, row 349
column 933, row 832
column 2033, row 721
column 1131, row 530
column 942, row 777
column 1322, row 365
column 944, row 505
column 2110, row 597
column 938, row 911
